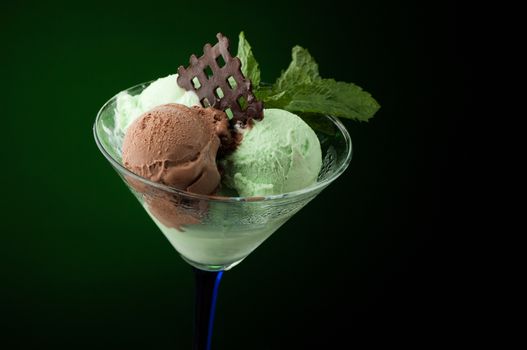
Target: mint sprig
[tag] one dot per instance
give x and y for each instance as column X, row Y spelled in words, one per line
column 249, row 67
column 301, row 89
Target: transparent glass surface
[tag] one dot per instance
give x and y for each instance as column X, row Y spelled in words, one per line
column 215, row 233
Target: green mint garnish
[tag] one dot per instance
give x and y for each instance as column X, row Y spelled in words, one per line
column 301, row 89
column 250, row 67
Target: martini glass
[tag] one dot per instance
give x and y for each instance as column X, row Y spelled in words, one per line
column 215, row 233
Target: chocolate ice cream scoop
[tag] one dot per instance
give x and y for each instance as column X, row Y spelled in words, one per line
column 177, row 146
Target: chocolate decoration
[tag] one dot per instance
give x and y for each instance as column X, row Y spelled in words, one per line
column 226, row 88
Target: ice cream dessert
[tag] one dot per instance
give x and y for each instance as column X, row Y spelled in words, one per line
column 210, row 135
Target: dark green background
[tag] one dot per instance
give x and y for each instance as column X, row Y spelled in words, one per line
column 83, row 265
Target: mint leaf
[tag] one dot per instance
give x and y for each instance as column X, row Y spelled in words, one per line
column 339, row 99
column 301, row 89
column 249, row 67
column 271, row 97
column 302, row 70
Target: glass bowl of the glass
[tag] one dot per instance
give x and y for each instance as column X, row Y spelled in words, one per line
column 215, row 233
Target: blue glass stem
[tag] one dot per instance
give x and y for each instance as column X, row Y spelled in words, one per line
column 207, row 283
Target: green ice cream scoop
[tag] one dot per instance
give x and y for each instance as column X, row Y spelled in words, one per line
column 279, row 154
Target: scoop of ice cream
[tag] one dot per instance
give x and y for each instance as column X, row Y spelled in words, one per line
column 162, row 91
column 176, row 145
column 279, row 154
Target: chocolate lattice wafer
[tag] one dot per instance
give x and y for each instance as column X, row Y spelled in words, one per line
column 221, row 86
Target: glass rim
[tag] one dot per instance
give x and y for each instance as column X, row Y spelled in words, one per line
column 297, row 193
